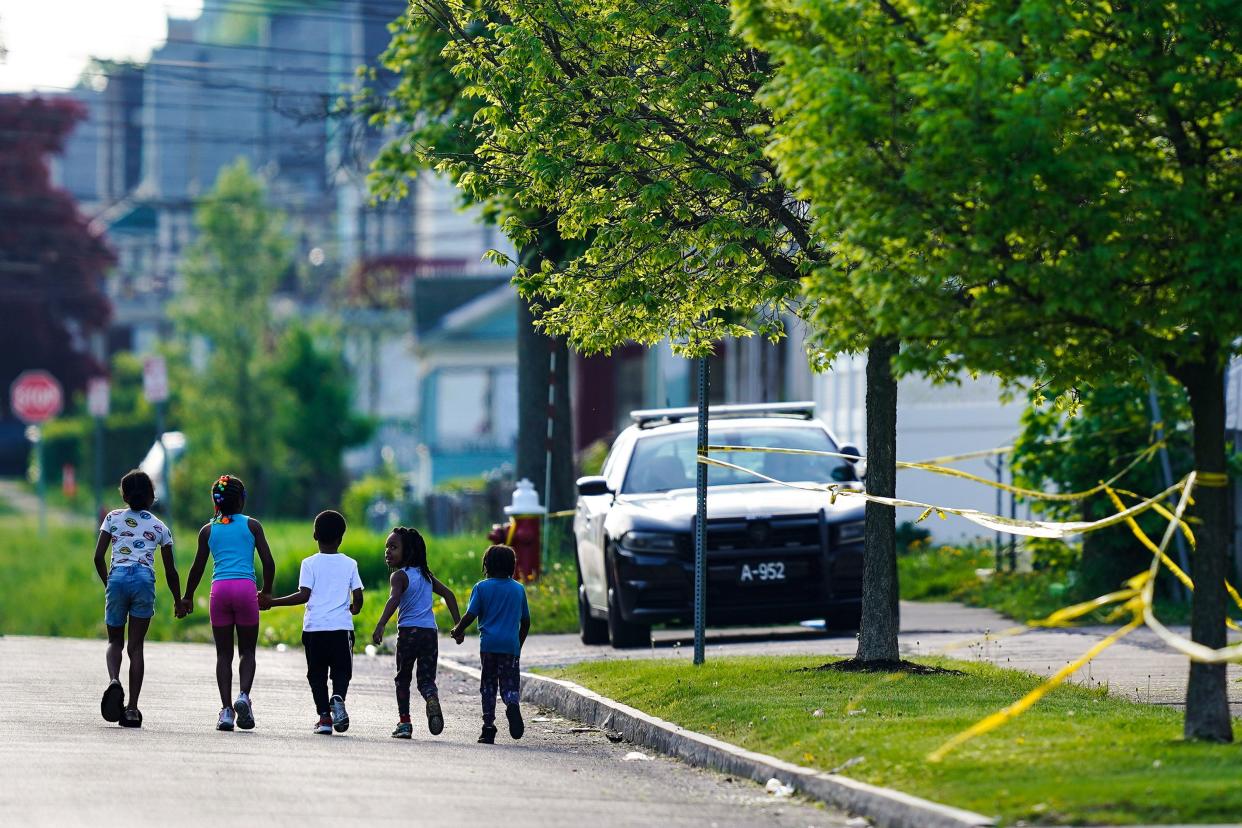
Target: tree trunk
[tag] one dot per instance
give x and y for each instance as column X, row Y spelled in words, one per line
column 1207, row 702
column 877, row 638
column 535, row 350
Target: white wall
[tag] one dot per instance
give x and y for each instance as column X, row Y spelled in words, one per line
column 931, row 422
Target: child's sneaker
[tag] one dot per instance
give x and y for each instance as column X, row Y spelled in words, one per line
column 516, row 726
column 404, row 730
column 324, row 726
column 435, row 717
column 488, row 736
column 340, row 718
column 226, row 719
column 113, row 703
column 244, row 711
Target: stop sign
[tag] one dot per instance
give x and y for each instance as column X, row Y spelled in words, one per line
column 35, row 396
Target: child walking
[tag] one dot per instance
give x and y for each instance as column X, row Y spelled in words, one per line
column 412, row 589
column 499, row 603
column 331, row 588
column 231, row 539
column 129, row 589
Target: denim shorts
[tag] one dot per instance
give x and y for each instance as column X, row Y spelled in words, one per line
column 130, row 592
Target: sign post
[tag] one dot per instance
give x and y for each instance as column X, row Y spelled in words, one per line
column 36, row 397
column 700, row 522
column 155, row 389
column 98, row 401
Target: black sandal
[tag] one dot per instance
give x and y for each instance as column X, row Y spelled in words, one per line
column 132, row 717
column 113, row 703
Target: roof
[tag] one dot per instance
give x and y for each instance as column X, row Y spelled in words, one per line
column 489, row 317
column 436, row 298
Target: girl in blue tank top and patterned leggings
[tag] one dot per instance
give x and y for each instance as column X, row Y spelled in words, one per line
column 412, row 590
column 231, row 539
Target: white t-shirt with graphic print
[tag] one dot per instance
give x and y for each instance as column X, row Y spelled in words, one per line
column 135, row 536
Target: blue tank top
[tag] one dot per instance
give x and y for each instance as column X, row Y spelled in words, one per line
column 416, row 601
column 232, row 549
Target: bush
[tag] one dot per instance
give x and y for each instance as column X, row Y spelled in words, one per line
column 384, row 485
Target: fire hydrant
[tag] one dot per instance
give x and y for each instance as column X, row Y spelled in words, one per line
column 523, row 530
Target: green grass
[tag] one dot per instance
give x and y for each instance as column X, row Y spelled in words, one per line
column 48, row 585
column 948, row 573
column 1079, row 756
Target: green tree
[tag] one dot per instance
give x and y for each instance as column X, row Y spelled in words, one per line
column 1037, row 188
column 231, row 398
column 320, row 423
column 635, row 130
column 1072, row 452
column 433, row 119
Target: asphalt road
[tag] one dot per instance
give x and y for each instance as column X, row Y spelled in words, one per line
column 62, row 765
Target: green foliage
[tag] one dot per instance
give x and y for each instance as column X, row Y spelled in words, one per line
column 1078, row 757
column 591, row 460
column 63, row 596
column 268, row 403
column 1111, row 426
column 632, row 130
column 320, row 424
column 984, row 171
column 386, row 484
column 911, row 537
column 229, row 406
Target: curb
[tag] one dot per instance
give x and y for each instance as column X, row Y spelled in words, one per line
column 885, row 807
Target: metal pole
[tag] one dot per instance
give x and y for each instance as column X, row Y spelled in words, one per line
column 1000, row 505
column 1167, row 471
column 168, row 500
column 38, row 435
column 99, row 466
column 700, row 521
column 547, row 457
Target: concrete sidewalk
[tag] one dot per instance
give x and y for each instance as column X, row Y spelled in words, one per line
column 1139, row 667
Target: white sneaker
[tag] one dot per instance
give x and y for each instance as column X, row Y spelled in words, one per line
column 244, row 711
column 226, row 719
column 340, row 718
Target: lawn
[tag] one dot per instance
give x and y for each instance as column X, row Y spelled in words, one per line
column 48, row 585
column 1079, row 756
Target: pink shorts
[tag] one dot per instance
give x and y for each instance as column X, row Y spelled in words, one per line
column 234, row 601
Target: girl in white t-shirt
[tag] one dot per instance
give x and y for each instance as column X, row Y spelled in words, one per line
column 331, row 588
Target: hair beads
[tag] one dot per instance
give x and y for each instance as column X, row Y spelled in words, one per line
column 228, row 494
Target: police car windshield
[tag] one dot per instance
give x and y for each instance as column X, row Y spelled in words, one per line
column 663, row 462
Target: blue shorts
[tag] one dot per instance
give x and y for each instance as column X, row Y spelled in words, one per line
column 130, row 592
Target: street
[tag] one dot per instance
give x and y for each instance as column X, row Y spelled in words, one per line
column 63, row 765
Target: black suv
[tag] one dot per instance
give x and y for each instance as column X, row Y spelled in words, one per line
column 774, row 554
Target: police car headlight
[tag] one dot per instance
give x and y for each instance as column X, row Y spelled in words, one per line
column 658, row 542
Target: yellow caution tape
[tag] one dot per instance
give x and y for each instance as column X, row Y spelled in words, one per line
column 1017, row 708
column 1000, row 523
column 1030, row 494
column 1213, row 480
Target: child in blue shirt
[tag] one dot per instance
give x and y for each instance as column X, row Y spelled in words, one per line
column 499, row 604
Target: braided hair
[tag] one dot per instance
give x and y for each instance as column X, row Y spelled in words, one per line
column 413, row 550
column 229, row 495
column 499, row 561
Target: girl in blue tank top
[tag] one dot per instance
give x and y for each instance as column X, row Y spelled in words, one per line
column 412, row 591
column 232, row 539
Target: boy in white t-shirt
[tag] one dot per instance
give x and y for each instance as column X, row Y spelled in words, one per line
column 330, row 587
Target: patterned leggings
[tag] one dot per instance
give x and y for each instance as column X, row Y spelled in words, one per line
column 499, row 670
column 421, row 646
